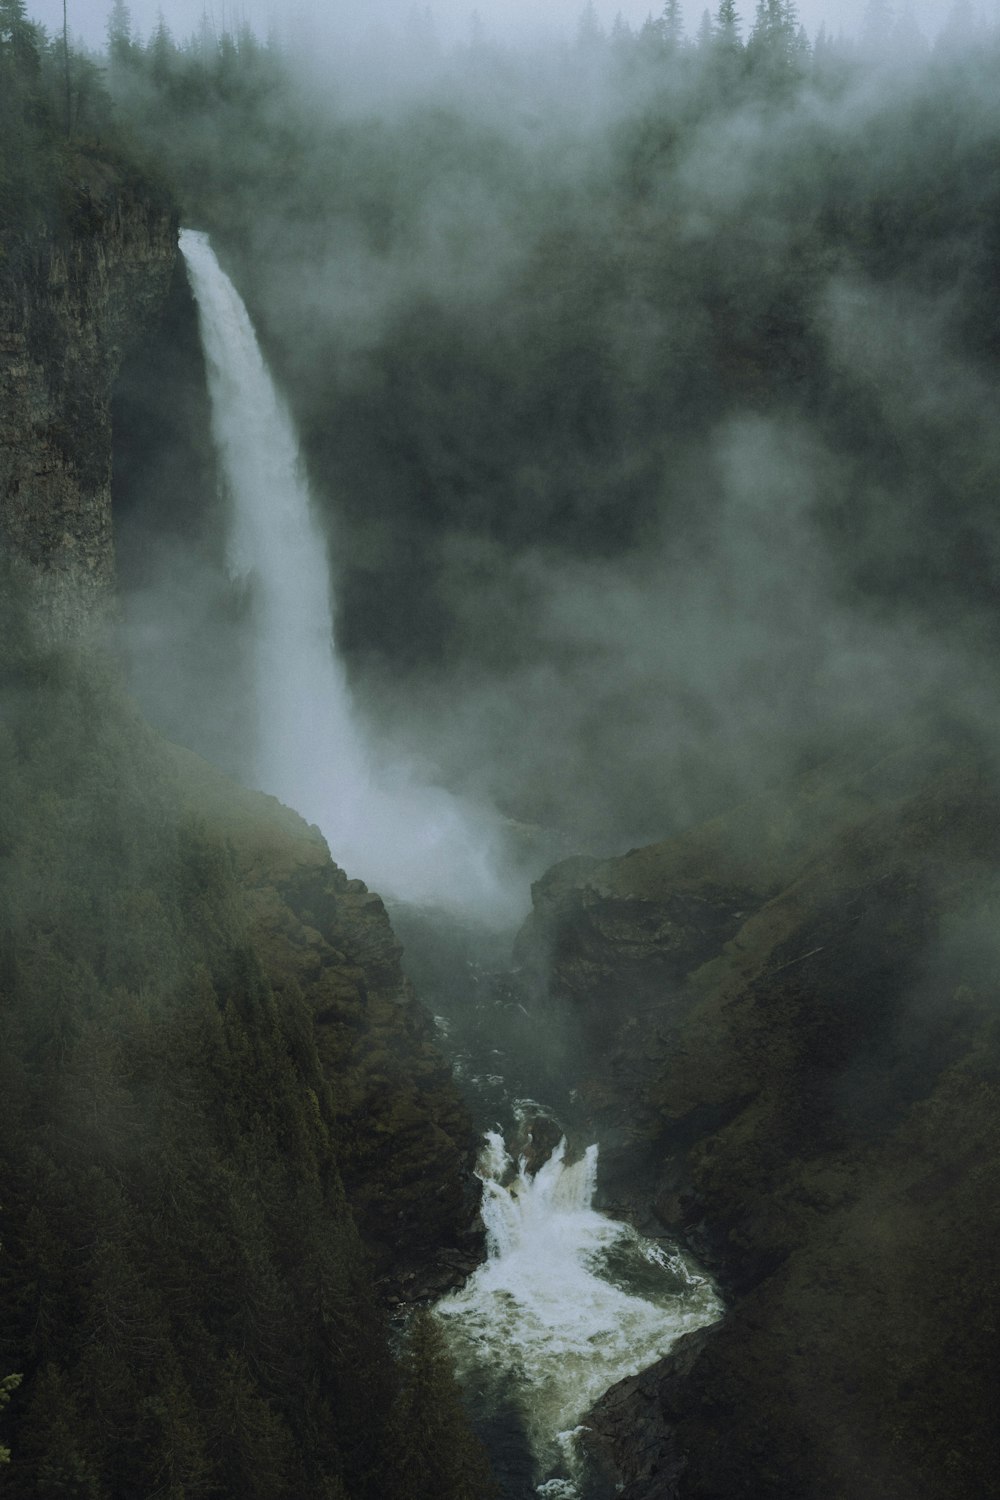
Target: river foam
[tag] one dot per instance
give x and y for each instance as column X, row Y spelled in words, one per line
column 568, row 1303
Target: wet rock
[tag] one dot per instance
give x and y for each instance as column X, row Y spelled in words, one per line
column 535, row 1139
column 806, row 1089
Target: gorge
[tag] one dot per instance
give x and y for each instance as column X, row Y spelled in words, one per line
column 651, row 448
column 556, row 1316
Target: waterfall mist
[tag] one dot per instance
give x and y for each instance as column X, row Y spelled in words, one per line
column 416, row 842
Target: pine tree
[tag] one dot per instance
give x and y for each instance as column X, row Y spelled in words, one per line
column 18, row 38
column 439, row 1458
column 672, row 24
column 120, row 43
column 727, row 24
column 774, row 47
column 161, row 51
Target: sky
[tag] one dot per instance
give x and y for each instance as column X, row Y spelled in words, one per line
column 88, row 18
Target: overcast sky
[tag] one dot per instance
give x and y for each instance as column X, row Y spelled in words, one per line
column 88, row 18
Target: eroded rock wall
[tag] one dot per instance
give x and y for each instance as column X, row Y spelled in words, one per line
column 804, row 1083
column 71, row 304
column 406, row 1145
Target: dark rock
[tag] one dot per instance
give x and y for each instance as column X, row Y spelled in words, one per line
column 406, row 1143
column 805, row 1085
column 68, row 313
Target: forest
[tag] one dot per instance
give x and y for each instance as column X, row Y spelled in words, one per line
column 642, row 341
column 646, row 387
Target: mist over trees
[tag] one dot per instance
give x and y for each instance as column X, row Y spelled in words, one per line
column 643, row 381
column 647, row 389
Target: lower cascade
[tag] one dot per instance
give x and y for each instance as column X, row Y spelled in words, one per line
column 568, row 1303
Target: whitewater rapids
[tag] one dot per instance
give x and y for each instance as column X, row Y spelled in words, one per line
column 568, row 1303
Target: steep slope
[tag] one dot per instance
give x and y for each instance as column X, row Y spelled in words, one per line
column 404, row 1141
column 72, row 301
column 794, row 1012
column 226, row 1139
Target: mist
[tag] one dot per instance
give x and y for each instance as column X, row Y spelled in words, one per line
column 644, row 398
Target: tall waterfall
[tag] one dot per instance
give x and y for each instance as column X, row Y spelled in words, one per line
column 568, row 1303
column 416, row 842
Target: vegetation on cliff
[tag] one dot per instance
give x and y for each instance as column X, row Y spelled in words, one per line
column 184, row 1289
column 55, row 115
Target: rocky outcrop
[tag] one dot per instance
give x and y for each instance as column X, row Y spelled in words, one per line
column 796, row 1062
column 406, row 1146
column 71, row 303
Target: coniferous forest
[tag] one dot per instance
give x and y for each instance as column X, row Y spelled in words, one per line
column 647, row 389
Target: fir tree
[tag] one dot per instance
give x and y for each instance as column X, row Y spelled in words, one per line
column 672, row 25
column 438, row 1455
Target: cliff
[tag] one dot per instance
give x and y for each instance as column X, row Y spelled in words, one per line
column 794, row 1060
column 73, row 300
column 404, row 1141
column 227, row 1138
column 219, row 1113
column 75, row 303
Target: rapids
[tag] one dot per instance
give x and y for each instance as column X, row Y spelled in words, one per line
column 568, row 1303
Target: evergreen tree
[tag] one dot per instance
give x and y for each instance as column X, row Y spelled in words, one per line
column 774, row 49
column 161, row 52
column 672, row 25
column 19, row 40
column 120, row 41
column 727, row 25
column 907, row 38
column 437, row 1454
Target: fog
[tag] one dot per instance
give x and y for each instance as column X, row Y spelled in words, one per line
column 453, row 18
column 646, row 405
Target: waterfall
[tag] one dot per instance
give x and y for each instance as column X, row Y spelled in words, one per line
column 412, row 841
column 568, row 1302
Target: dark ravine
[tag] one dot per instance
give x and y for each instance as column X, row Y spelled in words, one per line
column 783, row 1022
column 795, row 1054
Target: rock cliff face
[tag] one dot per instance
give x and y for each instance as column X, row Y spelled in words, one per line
column 68, row 312
column 75, row 305
column 795, row 1055
column 406, row 1146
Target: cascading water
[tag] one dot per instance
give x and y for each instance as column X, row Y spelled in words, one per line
column 416, row 842
column 568, row 1302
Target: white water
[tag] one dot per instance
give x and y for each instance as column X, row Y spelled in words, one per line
column 568, row 1303
column 416, row 842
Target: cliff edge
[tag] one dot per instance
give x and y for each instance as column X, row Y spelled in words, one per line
column 73, row 299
